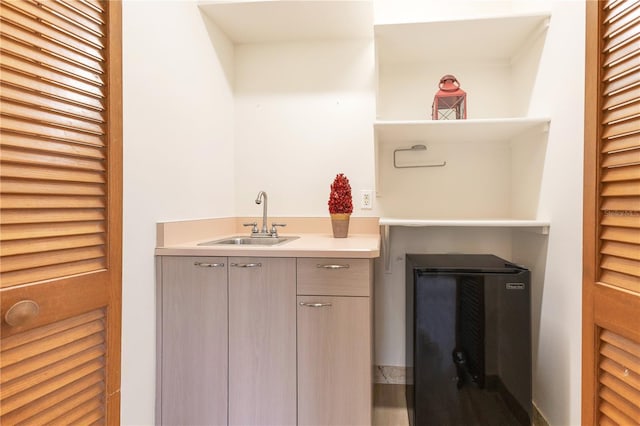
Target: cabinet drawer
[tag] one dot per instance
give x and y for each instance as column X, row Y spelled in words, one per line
column 334, row 277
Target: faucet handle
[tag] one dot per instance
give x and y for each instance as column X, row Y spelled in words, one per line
column 254, row 227
column 274, row 231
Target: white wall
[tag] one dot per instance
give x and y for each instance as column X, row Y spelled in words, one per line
column 199, row 144
column 178, row 140
column 303, row 115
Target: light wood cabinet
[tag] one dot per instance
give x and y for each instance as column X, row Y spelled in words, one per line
column 334, row 310
column 262, row 341
column 192, row 341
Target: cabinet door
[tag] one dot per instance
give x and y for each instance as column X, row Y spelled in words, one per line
column 334, row 360
column 262, row 341
column 193, row 333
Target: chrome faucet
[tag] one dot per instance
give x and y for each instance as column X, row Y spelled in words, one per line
column 263, row 195
column 264, row 232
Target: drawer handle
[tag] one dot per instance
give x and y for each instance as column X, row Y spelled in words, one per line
column 246, row 265
column 315, row 305
column 209, row 265
column 333, row 266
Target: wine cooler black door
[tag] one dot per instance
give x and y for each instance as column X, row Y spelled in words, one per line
column 468, row 340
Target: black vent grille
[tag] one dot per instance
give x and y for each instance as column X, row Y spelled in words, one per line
column 470, row 327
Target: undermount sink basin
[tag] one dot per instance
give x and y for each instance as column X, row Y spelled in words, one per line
column 255, row 241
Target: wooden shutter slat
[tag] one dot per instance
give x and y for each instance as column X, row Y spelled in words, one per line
column 620, row 143
column 76, row 15
column 617, row 10
column 52, row 399
column 95, row 4
column 623, row 343
column 43, row 102
column 48, row 38
column 28, row 336
column 603, row 420
column 49, row 118
column 631, row 94
column 35, row 245
column 63, row 161
column 49, row 342
column 622, row 113
column 48, row 216
column 34, row 378
column 52, row 385
column 44, row 59
column 45, row 230
column 621, row 220
column 619, row 374
column 626, row 407
column 626, row 20
column 43, row 359
column 36, row 85
column 89, row 11
column 620, row 280
column 619, row 386
column 620, row 234
column 62, row 201
column 621, row 173
column 608, row 4
column 23, row 352
column 622, row 49
column 45, row 173
column 621, row 265
column 628, row 126
column 622, row 158
column 620, row 39
column 26, row 261
column 615, row 414
column 619, row 84
column 72, row 416
column 627, row 251
column 624, row 66
column 10, row 279
column 40, row 130
column 51, row 75
column 47, row 416
column 49, row 146
column 621, row 188
column 621, row 203
column 74, row 18
column 12, row 186
column 52, row 20
column 95, row 417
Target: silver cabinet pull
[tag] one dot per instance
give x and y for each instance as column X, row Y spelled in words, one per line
column 333, row 266
column 315, row 305
column 209, row 265
column 246, row 265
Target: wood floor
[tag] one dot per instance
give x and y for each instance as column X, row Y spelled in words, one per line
column 389, row 405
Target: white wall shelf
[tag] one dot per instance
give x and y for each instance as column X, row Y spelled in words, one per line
column 279, row 21
column 480, row 38
column 478, row 130
column 538, row 226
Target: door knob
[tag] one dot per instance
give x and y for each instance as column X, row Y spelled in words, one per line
column 21, row 313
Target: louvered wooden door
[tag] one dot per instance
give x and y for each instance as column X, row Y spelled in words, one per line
column 60, row 217
column 611, row 281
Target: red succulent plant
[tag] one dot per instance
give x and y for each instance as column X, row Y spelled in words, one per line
column 340, row 197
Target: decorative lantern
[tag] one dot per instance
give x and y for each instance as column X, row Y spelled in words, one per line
column 450, row 103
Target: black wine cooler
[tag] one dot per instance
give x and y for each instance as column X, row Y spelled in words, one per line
column 468, row 340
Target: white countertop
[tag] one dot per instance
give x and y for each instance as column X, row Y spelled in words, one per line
column 308, row 245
